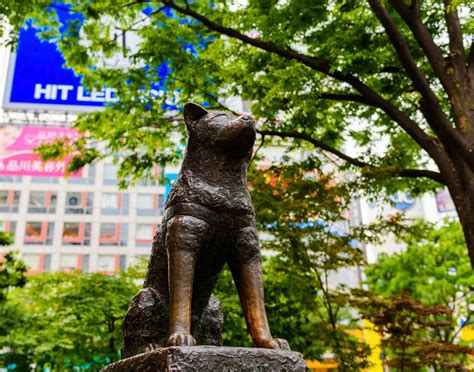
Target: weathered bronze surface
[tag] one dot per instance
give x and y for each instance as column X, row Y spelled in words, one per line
column 208, row 221
column 211, row 358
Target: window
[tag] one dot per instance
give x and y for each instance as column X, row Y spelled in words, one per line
column 139, row 260
column 76, row 233
column 52, row 180
column 106, row 264
column 122, row 262
column 150, row 204
column 79, row 202
column 152, row 177
column 144, row 234
column 147, row 182
column 15, row 179
column 8, row 226
column 47, row 262
column 39, row 233
column 144, row 201
column 68, row 262
column 4, row 198
column 88, row 177
column 34, row 262
column 114, row 204
column 161, row 203
column 110, row 200
column 37, row 263
column 110, row 264
column 42, row 202
column 84, row 264
column 113, row 234
column 110, row 174
column 9, row 201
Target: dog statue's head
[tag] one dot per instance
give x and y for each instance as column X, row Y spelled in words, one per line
column 232, row 134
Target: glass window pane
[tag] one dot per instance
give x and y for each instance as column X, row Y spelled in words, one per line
column 37, row 199
column 106, row 263
column 161, row 202
column 110, row 171
column 68, row 262
column 42, row 202
column 33, row 229
column 71, row 230
column 53, row 200
column 35, row 179
column 110, row 200
column 110, row 174
column 145, row 201
column 108, row 230
column 3, row 197
column 144, row 232
column 33, row 261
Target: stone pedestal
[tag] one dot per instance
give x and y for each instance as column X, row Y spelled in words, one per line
column 211, row 358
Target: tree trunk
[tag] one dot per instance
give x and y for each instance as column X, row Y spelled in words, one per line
column 466, row 217
column 463, row 198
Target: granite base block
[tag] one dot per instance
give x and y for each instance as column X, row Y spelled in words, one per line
column 211, row 358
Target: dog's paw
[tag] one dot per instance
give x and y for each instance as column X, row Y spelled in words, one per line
column 279, row 343
column 275, row 343
column 181, row 339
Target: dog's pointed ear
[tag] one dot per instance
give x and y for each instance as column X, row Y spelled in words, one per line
column 192, row 113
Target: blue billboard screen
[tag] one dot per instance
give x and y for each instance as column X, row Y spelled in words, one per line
column 37, row 78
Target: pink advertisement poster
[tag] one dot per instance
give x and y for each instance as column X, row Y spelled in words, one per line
column 17, row 157
column 444, row 201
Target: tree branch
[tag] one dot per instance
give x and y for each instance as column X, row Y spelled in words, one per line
column 425, row 40
column 429, row 105
column 470, row 60
column 351, row 97
column 456, row 46
column 423, row 139
column 135, row 2
column 409, row 173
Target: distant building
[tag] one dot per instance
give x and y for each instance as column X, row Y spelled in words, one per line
column 430, row 207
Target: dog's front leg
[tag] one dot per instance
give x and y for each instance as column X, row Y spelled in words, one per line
column 246, row 267
column 184, row 239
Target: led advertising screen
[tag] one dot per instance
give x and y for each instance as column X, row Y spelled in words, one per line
column 17, row 157
column 38, row 80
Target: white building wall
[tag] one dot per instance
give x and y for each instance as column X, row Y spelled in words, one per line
column 427, row 208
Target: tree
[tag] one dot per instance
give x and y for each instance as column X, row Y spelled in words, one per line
column 12, row 275
column 422, row 299
column 63, row 321
column 407, row 327
column 433, row 269
column 302, row 214
column 313, row 72
column 12, row 269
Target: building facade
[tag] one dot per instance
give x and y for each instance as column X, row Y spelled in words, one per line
column 82, row 223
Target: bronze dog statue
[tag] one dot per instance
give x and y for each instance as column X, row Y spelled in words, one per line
column 208, row 221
